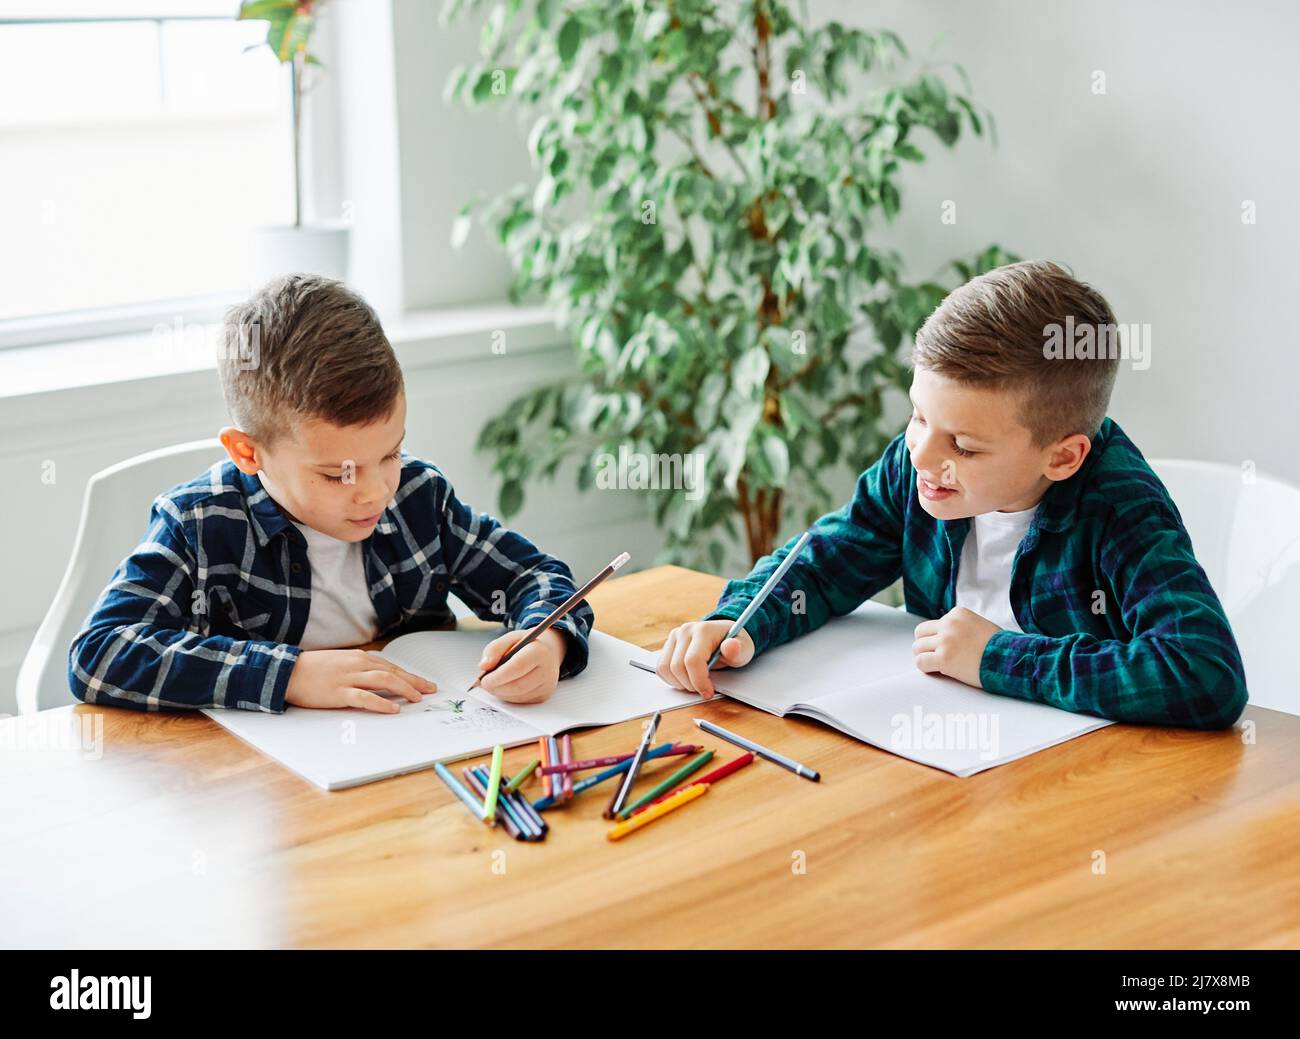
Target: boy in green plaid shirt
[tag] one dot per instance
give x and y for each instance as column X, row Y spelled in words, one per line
column 1051, row 561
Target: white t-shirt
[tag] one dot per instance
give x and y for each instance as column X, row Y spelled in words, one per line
column 341, row 614
column 984, row 571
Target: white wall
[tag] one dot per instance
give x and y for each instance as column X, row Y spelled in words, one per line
column 1139, row 191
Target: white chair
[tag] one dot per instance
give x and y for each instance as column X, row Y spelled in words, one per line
column 1245, row 529
column 114, row 516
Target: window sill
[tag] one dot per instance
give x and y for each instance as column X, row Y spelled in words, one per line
column 420, row 338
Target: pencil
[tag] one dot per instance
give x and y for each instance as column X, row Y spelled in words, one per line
column 658, row 811
column 761, row 751
column 709, row 777
column 555, row 615
column 763, row 593
column 458, row 789
column 634, row 767
column 494, row 783
column 695, row 764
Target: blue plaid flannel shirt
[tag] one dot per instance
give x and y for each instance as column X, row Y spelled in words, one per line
column 208, row 609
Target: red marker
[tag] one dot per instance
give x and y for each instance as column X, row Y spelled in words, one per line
column 712, row 777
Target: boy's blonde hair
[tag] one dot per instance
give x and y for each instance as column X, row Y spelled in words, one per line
column 993, row 331
column 304, row 346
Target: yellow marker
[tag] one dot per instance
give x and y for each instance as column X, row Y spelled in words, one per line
column 494, row 784
column 655, row 811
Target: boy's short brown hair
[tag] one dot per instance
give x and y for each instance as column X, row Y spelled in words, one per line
column 305, row 346
column 992, row 332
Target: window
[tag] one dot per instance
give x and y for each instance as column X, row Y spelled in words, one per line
column 139, row 145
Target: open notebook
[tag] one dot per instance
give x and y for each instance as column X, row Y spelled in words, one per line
column 336, row 749
column 857, row 674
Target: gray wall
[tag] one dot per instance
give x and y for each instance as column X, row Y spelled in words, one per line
column 1139, row 191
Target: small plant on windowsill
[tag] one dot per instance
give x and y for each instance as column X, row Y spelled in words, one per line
column 726, row 167
column 318, row 248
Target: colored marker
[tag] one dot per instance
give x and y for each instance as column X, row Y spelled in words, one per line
column 709, row 777
column 613, row 759
column 694, row 765
column 688, row 795
column 458, row 789
column 494, row 783
column 619, row 799
column 519, row 780
column 600, row 777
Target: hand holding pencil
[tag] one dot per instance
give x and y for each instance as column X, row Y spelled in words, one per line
column 532, row 674
column 684, row 659
column 524, row 666
column 693, row 648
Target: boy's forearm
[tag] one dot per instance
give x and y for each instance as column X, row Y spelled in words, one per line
column 1148, row 680
column 854, row 553
column 160, row 669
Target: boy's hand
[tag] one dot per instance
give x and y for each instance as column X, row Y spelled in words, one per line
column 684, row 660
column 532, row 673
column 954, row 644
column 346, row 678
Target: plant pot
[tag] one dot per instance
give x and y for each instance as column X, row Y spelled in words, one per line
column 312, row 249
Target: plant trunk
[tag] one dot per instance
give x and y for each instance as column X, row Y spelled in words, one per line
column 295, row 79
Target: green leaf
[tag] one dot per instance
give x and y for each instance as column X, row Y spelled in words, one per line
column 266, row 8
column 778, row 458
column 511, row 499
column 751, row 371
column 569, row 39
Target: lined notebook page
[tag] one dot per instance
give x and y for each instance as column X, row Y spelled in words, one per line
column 870, row 643
column 947, row 724
column 858, row 674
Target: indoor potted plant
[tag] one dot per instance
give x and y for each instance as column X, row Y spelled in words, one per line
column 319, row 247
column 719, row 276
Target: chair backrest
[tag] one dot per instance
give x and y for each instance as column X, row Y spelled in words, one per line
column 114, row 515
column 1245, row 529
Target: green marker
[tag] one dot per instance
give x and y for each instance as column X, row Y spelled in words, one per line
column 494, row 784
column 518, row 781
column 697, row 762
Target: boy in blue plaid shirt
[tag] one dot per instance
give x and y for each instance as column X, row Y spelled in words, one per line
column 1047, row 557
column 318, row 533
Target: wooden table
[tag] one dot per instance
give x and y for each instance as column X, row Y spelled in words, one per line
column 178, row 834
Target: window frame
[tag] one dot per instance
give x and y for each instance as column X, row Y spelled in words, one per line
column 142, row 316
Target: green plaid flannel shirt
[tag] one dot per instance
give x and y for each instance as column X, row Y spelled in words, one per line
column 1119, row 619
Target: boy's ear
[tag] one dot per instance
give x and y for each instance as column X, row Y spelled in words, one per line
column 1066, row 455
column 240, row 447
